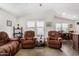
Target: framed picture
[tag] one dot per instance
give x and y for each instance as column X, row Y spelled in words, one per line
column 71, row 26
column 9, row 23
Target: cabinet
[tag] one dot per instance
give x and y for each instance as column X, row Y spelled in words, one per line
column 76, row 41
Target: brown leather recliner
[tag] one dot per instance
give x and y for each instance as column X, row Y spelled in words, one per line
column 8, row 46
column 54, row 40
column 29, row 41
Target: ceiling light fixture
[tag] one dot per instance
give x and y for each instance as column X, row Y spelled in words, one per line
column 40, row 4
column 74, row 16
column 63, row 13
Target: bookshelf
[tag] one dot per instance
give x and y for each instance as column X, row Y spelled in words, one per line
column 17, row 32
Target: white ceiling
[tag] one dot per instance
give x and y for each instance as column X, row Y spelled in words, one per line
column 66, row 10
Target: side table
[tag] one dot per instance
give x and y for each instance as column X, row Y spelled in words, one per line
column 41, row 43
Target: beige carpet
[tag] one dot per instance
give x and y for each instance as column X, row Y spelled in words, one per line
column 66, row 50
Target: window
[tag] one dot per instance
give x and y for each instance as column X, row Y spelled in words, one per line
column 40, row 24
column 65, row 27
column 62, row 27
column 40, row 31
column 58, row 27
column 30, row 24
column 40, row 28
column 36, row 26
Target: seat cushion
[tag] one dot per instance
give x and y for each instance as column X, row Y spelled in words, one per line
column 9, row 48
column 29, row 38
column 5, row 49
column 28, row 42
column 54, row 42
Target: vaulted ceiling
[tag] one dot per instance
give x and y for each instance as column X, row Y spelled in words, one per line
column 66, row 10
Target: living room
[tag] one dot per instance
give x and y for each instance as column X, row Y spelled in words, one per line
column 39, row 29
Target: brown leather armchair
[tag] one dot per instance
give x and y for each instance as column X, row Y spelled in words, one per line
column 29, row 41
column 8, row 46
column 54, row 40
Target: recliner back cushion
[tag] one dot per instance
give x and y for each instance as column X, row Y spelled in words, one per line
column 29, row 34
column 3, row 38
column 53, row 35
column 29, row 38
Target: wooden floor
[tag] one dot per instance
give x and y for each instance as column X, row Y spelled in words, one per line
column 66, row 50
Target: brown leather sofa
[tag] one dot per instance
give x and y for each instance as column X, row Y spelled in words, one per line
column 54, row 40
column 8, row 46
column 29, row 41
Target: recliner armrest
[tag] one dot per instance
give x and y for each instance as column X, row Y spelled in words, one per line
column 48, row 39
column 34, row 39
column 22, row 39
column 60, row 39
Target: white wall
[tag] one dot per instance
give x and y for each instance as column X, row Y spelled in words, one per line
column 38, row 16
column 4, row 16
column 22, row 21
column 77, row 26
